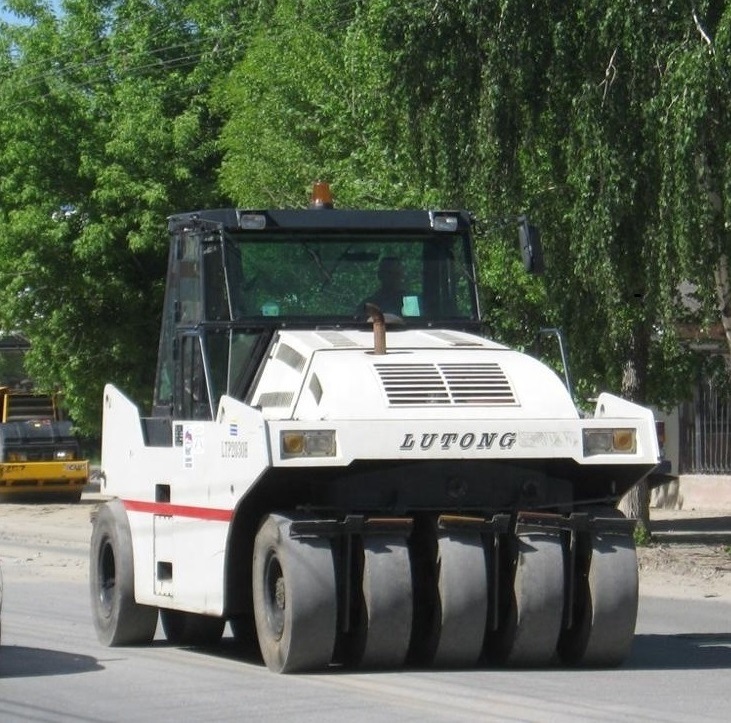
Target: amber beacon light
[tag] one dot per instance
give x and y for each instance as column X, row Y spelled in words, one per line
column 321, row 195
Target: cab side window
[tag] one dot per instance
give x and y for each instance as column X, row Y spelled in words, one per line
column 192, row 401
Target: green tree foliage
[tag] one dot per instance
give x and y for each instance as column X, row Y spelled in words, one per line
column 104, row 132
column 307, row 102
column 630, row 246
column 606, row 122
column 691, row 115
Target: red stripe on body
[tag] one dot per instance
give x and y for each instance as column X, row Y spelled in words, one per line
column 165, row 508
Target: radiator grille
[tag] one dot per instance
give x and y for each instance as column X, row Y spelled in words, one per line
column 456, row 384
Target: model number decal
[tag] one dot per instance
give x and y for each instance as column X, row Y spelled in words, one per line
column 234, row 448
column 450, row 440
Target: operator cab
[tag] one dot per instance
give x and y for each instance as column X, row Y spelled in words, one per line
column 314, row 268
column 237, row 276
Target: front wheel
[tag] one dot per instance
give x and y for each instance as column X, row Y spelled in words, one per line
column 118, row 618
column 461, row 611
column 531, row 619
column 295, row 605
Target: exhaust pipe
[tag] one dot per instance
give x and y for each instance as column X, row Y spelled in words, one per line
column 379, row 328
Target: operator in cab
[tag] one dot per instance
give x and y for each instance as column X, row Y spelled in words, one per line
column 389, row 297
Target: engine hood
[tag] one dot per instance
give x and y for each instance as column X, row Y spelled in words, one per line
column 425, row 374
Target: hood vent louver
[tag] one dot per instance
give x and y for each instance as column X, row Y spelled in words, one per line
column 453, row 339
column 336, row 339
column 291, row 357
column 451, row 384
column 276, row 399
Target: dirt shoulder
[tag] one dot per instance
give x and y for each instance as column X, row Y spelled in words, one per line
column 45, row 540
column 689, row 557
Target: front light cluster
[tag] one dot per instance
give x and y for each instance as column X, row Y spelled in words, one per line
column 308, row 443
column 59, row 455
column 610, row 441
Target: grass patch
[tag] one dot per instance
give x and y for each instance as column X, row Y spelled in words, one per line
column 643, row 537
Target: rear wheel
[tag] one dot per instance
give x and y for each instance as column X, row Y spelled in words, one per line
column 295, row 605
column 184, row 628
column 118, row 618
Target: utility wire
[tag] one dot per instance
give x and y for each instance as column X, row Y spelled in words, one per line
column 207, row 44
column 100, row 59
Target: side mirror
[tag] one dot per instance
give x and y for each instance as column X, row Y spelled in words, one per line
column 531, row 250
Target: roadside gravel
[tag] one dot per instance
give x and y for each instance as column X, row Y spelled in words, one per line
column 689, row 556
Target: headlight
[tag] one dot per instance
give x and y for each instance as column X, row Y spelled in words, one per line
column 312, row 443
column 444, row 223
column 252, row 221
column 64, row 454
column 610, row 441
column 16, row 456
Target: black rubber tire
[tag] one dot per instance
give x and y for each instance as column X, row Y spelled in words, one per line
column 388, row 604
column 243, row 629
column 118, row 618
column 184, row 628
column 461, row 617
column 295, row 604
column 531, row 624
column 606, row 604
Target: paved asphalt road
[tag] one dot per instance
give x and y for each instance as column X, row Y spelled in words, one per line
column 52, row 669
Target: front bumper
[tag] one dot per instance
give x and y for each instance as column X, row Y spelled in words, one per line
column 26, row 477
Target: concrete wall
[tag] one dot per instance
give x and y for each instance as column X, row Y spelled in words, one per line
column 689, row 491
column 695, row 492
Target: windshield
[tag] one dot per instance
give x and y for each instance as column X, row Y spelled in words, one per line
column 333, row 276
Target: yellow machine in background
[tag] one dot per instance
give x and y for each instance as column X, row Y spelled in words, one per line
column 39, row 452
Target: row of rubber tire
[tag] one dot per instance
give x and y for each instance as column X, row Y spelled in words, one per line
column 397, row 614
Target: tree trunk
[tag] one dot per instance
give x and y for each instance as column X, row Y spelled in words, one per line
column 723, row 294
column 636, row 503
